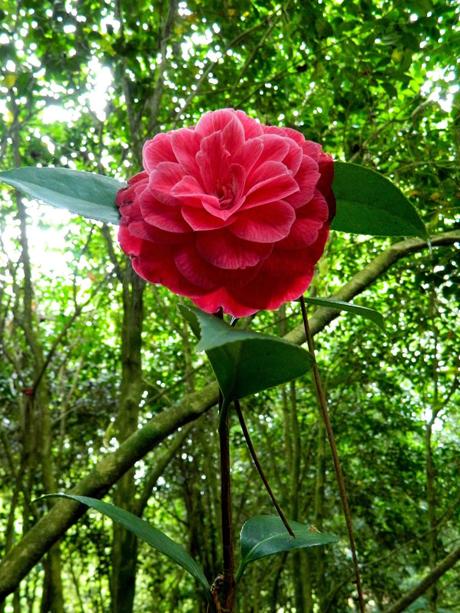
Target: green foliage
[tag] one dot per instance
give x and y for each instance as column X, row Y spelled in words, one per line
column 265, row 535
column 152, row 536
column 355, row 309
column 375, row 84
column 84, row 193
column 245, row 362
column 368, row 203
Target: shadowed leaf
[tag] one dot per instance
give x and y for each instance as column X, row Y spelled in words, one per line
column 368, row 203
column 245, row 362
column 265, row 535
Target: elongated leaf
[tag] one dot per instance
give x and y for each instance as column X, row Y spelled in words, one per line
column 84, row 193
column 245, row 362
column 155, row 538
column 265, row 535
column 368, row 203
column 340, row 305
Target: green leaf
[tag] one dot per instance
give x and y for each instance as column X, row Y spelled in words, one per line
column 155, row 538
column 340, row 305
column 368, row 203
column 84, row 193
column 245, row 362
column 265, row 535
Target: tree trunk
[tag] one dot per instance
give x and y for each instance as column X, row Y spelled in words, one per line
column 52, row 598
column 124, row 545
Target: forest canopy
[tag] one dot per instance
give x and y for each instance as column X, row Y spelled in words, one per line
column 103, row 391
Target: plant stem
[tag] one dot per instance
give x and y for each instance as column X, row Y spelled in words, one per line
column 252, row 451
column 335, row 456
column 223, row 592
column 227, row 591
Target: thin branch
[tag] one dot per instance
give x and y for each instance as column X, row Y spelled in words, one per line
column 61, row 336
column 126, row 86
column 155, row 100
column 255, row 459
column 105, row 230
column 392, row 554
column 235, row 41
column 430, row 579
column 254, row 52
column 335, row 456
column 159, row 466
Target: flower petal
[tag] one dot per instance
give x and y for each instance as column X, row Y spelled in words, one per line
column 251, row 127
column 235, row 183
column 222, row 299
column 307, row 179
column 268, row 291
column 233, row 135
column 326, row 167
column 196, row 270
column 145, row 231
column 130, row 244
column 312, row 149
column 213, row 161
column 189, row 192
column 249, row 154
column 155, row 263
column 224, row 250
column 310, row 220
column 264, row 224
column 214, row 121
column 275, row 148
column 126, row 197
column 200, row 219
column 158, row 149
column 269, row 182
column 316, row 208
column 162, row 180
column 293, row 259
column 203, row 274
column 287, row 262
column 304, row 232
column 308, row 147
column 186, row 144
column 164, row 216
column 293, row 157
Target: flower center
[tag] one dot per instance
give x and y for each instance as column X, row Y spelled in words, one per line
column 225, row 195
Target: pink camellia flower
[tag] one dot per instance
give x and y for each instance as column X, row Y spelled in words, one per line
column 231, row 213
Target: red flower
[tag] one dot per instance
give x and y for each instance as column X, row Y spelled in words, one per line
column 230, row 213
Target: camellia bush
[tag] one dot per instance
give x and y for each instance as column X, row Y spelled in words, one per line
column 234, row 215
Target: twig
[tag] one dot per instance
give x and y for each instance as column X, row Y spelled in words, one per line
column 335, row 456
column 155, row 100
column 266, row 34
column 211, row 65
column 252, row 451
